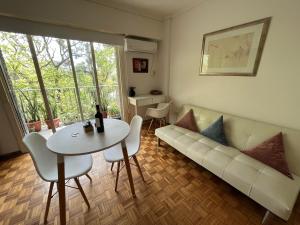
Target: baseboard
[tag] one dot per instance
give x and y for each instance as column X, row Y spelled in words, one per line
column 10, row 155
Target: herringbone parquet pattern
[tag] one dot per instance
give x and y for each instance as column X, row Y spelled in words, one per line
column 177, row 191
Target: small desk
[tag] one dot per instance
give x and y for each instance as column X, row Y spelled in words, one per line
column 144, row 100
column 72, row 140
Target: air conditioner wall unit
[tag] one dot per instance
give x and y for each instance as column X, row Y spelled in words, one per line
column 134, row 45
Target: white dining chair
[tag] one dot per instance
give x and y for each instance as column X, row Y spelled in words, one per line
column 133, row 142
column 45, row 163
column 159, row 113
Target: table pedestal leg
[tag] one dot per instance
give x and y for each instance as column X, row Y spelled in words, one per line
column 128, row 169
column 61, row 188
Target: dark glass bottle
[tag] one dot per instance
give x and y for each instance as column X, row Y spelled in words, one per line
column 131, row 92
column 99, row 120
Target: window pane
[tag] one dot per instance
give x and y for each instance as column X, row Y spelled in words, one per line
column 20, row 68
column 84, row 71
column 54, row 61
column 108, row 79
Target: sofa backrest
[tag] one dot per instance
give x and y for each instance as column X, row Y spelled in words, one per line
column 243, row 133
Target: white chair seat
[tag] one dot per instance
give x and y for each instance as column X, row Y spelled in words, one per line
column 161, row 111
column 75, row 166
column 115, row 154
column 45, row 163
column 133, row 141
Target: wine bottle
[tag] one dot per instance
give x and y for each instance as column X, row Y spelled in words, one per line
column 99, row 120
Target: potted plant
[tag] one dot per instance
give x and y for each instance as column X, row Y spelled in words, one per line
column 113, row 110
column 56, row 120
column 104, row 105
column 104, row 110
column 31, row 112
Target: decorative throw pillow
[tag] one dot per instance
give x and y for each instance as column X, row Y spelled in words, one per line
column 216, row 132
column 271, row 153
column 188, row 122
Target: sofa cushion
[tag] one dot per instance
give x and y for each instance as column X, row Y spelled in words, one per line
column 216, row 131
column 242, row 171
column 262, row 183
column 216, row 162
column 271, row 152
column 275, row 191
column 197, row 151
column 218, row 158
column 188, row 122
column 192, row 144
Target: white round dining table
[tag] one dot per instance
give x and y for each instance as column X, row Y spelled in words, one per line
column 73, row 140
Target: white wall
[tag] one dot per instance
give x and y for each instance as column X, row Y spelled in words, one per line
column 84, row 14
column 164, row 57
column 273, row 95
column 144, row 82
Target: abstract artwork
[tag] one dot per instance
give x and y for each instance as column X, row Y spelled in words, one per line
column 140, row 65
column 235, row 50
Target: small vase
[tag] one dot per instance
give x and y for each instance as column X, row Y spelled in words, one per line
column 56, row 122
column 104, row 114
column 34, row 126
column 131, row 92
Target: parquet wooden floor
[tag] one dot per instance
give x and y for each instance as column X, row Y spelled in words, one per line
column 177, row 191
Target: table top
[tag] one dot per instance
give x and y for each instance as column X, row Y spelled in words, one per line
column 139, row 97
column 73, row 140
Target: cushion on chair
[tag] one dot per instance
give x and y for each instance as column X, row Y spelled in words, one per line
column 271, row 152
column 188, row 122
column 216, row 132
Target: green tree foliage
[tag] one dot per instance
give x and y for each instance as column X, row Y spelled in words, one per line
column 54, row 61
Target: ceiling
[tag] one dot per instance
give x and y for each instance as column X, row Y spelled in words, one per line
column 155, row 9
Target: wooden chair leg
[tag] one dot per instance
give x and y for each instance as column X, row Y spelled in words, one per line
column 112, row 166
column 88, row 176
column 138, row 166
column 150, row 125
column 82, row 192
column 117, row 178
column 48, row 202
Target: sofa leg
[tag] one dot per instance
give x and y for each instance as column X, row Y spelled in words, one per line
column 266, row 216
column 158, row 144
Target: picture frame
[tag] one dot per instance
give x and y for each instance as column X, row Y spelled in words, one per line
column 140, row 65
column 234, row 51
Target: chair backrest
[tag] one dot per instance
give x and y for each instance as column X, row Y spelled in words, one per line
column 133, row 141
column 42, row 157
column 163, row 109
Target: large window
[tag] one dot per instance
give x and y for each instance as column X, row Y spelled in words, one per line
column 54, row 61
column 82, row 57
column 70, row 71
column 107, row 76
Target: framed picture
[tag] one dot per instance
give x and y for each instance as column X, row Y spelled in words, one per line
column 140, row 65
column 235, row 51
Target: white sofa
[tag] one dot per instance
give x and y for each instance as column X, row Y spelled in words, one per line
column 265, row 185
